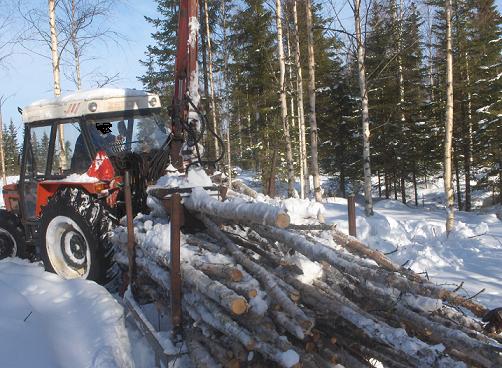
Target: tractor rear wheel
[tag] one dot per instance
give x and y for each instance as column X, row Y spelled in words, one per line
column 11, row 236
column 74, row 230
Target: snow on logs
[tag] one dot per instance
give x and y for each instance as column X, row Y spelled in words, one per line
column 238, row 211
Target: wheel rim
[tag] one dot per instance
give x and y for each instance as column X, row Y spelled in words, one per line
column 8, row 245
column 67, row 248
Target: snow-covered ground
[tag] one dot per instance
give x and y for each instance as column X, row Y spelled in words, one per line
column 472, row 254
column 46, row 321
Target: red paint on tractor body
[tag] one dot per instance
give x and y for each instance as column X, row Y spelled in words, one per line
column 101, row 168
column 11, row 197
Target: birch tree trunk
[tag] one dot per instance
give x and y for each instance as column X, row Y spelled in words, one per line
column 284, row 103
column 55, row 72
column 368, row 201
column 2, row 155
column 75, row 46
column 447, row 175
column 291, row 89
column 304, row 175
column 312, row 98
column 211, row 81
column 226, row 103
column 468, row 145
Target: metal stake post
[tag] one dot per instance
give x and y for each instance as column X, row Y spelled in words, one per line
column 176, row 223
column 351, row 204
column 131, row 251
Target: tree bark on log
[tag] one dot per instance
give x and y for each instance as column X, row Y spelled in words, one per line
column 480, row 354
column 375, row 330
column 262, row 275
column 201, row 243
column 193, row 278
column 319, row 252
column 198, row 353
column 210, row 313
column 358, row 247
column 288, row 324
column 242, row 188
column 214, row 290
column 221, row 353
column 219, row 271
column 253, row 213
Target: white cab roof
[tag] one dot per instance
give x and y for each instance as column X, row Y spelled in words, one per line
column 90, row 102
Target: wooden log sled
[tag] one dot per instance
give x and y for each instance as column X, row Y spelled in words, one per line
column 355, row 312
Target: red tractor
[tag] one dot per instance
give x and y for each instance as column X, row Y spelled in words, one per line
column 75, row 151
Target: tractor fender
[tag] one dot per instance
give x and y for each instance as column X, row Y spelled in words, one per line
column 46, row 189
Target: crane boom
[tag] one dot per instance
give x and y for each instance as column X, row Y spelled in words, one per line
column 185, row 78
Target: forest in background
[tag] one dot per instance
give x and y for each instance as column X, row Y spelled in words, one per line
column 358, row 88
column 405, row 61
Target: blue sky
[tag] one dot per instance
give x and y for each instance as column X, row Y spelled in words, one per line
column 28, row 77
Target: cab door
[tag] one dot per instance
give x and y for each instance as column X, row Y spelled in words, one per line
column 36, row 164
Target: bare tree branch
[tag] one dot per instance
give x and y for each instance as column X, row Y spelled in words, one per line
column 80, row 23
column 6, row 42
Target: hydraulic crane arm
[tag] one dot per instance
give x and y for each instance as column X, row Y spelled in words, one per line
column 188, row 122
column 185, row 78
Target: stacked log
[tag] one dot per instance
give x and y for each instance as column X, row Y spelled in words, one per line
column 246, row 302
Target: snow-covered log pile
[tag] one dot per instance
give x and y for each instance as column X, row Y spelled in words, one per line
column 257, row 294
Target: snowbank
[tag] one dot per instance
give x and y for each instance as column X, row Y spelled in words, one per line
column 46, row 321
column 417, row 236
column 300, row 210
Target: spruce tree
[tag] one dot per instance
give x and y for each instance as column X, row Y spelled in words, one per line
column 11, row 150
column 485, row 37
column 43, row 147
column 252, row 81
column 160, row 56
column 415, row 131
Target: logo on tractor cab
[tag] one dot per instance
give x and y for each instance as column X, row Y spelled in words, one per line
column 72, row 108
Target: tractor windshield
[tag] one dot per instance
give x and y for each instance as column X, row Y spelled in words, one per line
column 139, row 134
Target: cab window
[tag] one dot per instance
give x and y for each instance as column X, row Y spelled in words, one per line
column 74, row 157
column 38, row 151
column 136, row 134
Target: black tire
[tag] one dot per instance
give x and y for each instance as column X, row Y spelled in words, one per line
column 12, row 242
column 73, row 223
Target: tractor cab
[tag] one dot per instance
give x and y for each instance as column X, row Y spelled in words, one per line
column 76, row 148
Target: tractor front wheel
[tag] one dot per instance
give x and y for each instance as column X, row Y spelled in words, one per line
column 74, row 237
column 11, row 236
